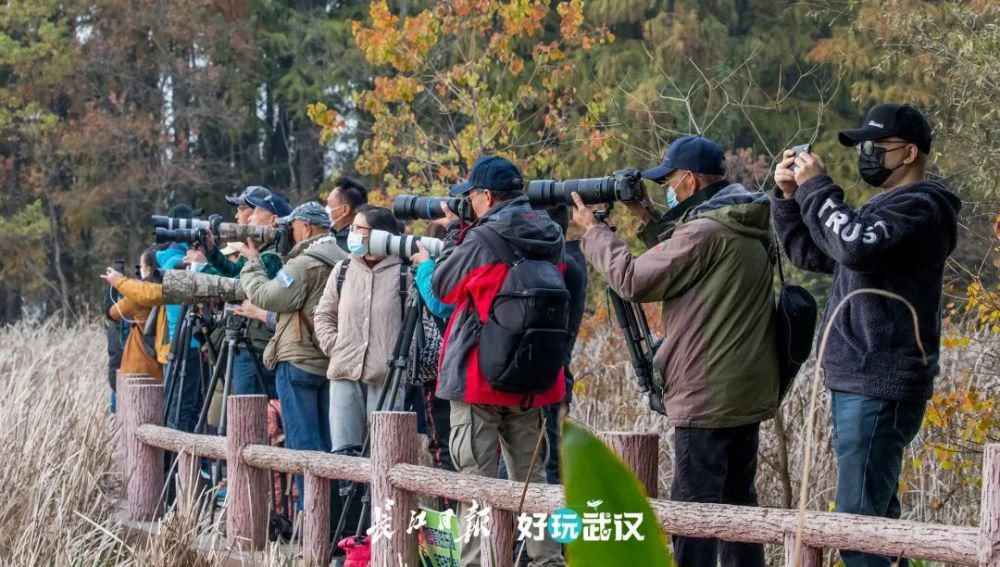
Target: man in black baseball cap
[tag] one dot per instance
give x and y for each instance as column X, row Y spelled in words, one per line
column 244, row 208
column 693, row 171
column 879, row 376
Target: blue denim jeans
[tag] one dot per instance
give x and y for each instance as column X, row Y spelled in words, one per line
column 305, row 411
column 245, row 376
column 869, row 436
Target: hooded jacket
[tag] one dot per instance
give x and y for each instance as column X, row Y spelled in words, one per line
column 469, row 275
column 168, row 259
column 357, row 327
column 714, row 277
column 898, row 242
column 293, row 295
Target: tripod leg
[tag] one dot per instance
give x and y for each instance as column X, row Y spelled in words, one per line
column 210, row 395
column 183, row 348
column 230, row 355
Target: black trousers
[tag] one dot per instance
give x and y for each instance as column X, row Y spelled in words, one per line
column 716, row 466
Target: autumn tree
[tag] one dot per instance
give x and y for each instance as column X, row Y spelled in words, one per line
column 456, row 80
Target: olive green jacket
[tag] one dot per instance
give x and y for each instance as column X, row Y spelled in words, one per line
column 293, row 295
column 714, row 277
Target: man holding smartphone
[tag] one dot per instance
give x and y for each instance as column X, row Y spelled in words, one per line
column 879, row 376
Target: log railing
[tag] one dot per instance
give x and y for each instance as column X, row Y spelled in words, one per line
column 394, row 474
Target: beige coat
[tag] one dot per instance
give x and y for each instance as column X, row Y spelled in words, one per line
column 358, row 328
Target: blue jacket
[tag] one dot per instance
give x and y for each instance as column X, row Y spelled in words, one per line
column 437, row 308
column 898, row 242
column 168, row 259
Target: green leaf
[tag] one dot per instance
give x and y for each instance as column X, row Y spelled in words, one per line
column 592, row 473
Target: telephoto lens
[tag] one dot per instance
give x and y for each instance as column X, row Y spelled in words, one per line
column 412, row 207
column 232, row 232
column 189, row 235
column 622, row 185
column 174, row 223
column 382, row 244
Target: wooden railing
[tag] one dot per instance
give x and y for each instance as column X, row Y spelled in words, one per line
column 394, row 474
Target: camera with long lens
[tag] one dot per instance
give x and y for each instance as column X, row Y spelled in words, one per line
column 188, row 235
column 194, row 231
column 412, row 207
column 382, row 244
column 622, row 185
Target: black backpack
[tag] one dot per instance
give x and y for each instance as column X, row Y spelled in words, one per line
column 523, row 341
column 796, row 319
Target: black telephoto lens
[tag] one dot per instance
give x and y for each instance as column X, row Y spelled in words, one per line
column 412, row 207
column 592, row 191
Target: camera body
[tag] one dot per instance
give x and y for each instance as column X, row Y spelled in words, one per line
column 382, row 244
column 623, row 185
column 413, row 207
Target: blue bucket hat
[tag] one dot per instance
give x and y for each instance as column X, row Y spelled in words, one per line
column 310, row 212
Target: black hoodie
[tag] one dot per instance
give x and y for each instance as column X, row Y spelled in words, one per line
column 897, row 242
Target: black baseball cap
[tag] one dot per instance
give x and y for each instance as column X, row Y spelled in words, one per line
column 494, row 173
column 257, row 191
column 693, row 153
column 891, row 121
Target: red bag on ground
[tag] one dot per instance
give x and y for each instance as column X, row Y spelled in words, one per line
column 358, row 551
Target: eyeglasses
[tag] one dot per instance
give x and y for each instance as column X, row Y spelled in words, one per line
column 868, row 147
column 362, row 230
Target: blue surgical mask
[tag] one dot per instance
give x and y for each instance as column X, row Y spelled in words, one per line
column 356, row 244
column 672, row 197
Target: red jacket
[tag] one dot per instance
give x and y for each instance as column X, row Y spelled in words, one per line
column 469, row 275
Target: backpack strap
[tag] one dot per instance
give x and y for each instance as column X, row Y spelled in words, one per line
column 341, row 268
column 498, row 244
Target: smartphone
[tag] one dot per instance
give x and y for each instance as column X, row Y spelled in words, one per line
column 119, row 266
column 801, row 149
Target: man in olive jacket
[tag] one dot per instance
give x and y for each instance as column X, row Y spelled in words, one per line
column 713, row 275
column 293, row 352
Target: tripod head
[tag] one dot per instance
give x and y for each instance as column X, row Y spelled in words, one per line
column 235, row 325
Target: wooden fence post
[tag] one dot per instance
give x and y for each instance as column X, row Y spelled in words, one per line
column 246, row 513
column 145, row 483
column 808, row 556
column 641, row 452
column 394, row 441
column 316, row 520
column 498, row 549
column 122, row 382
column 989, row 514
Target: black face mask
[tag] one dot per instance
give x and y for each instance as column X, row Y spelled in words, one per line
column 871, row 167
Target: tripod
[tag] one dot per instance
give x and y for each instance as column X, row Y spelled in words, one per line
column 177, row 368
column 641, row 345
column 398, row 363
column 235, row 339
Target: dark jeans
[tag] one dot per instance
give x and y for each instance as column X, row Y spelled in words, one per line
column 305, row 412
column 716, row 466
column 245, row 377
column 188, row 393
column 869, row 436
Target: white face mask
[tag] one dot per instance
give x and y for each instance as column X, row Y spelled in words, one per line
column 329, row 212
column 143, row 273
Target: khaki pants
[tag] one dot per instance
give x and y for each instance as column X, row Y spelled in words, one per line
column 475, row 432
